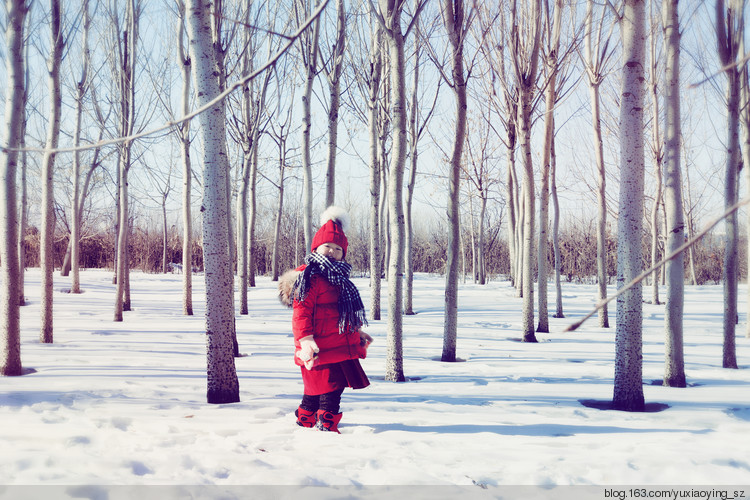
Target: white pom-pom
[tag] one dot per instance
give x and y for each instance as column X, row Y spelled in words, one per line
column 336, row 214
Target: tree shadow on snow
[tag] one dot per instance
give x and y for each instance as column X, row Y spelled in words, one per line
column 607, row 405
column 550, row 430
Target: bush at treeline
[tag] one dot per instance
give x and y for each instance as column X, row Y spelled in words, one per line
column 577, row 248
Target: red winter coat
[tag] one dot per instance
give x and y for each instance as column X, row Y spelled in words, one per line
column 318, row 315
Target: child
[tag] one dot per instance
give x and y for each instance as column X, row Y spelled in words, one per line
column 327, row 320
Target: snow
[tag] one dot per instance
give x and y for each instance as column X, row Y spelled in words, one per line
column 124, row 403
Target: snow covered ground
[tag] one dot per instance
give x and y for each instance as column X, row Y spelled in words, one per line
column 124, row 403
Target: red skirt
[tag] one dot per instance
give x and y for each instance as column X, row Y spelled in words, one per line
column 334, row 376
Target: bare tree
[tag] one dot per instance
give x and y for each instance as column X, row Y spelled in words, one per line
column 253, row 105
column 126, row 59
column 333, row 69
column 597, row 53
column 280, row 135
column 222, row 382
column 10, row 364
column 23, row 214
column 183, row 135
column 374, row 105
column 729, row 32
column 389, row 17
column 674, row 368
column 309, row 53
column 505, row 105
column 628, row 387
column 81, row 91
column 657, row 150
column 525, row 47
column 553, row 24
column 457, row 25
column 47, row 263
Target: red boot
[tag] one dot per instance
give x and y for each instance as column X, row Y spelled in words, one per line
column 328, row 421
column 305, row 418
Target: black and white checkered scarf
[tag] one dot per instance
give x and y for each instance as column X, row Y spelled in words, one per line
column 351, row 309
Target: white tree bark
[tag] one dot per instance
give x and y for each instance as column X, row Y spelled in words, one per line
column 728, row 46
column 222, row 382
column 373, row 107
column 187, row 171
column 47, row 237
column 525, row 40
column 390, row 11
column 310, row 63
column 674, row 368
column 658, row 157
column 550, row 97
column 628, row 387
column 334, row 87
column 10, row 328
column 126, row 126
column 594, row 59
column 75, row 214
column 455, row 24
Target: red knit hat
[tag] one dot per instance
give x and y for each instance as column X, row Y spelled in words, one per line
column 333, row 223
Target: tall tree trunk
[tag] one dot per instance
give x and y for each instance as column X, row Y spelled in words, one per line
column 658, row 156
column 628, row 388
column 394, row 370
column 453, row 17
column 187, row 171
column 728, row 45
column 10, row 328
column 164, row 234
column 75, row 214
column 374, row 112
column 47, row 237
column 23, row 216
column 674, row 368
column 556, row 230
column 414, row 160
column 127, row 118
column 512, row 189
column 222, row 382
column 595, row 76
column 334, row 84
column 549, row 130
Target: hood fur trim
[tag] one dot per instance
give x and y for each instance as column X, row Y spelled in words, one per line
column 286, row 282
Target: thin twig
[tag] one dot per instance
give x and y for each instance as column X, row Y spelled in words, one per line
column 721, row 70
column 659, row 264
column 238, row 84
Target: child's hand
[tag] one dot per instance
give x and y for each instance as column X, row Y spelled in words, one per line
column 364, row 339
column 308, row 351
